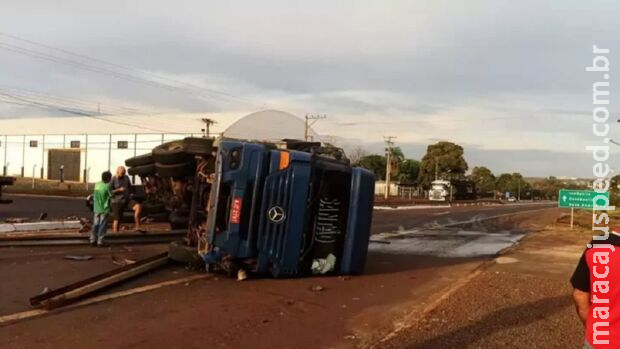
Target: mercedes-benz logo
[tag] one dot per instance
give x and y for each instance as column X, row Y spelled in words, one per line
column 276, row 214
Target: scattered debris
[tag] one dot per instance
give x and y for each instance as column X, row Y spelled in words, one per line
column 78, row 258
column 323, row 265
column 350, row 337
column 317, row 288
column 120, row 261
column 15, row 220
column 505, row 260
column 86, row 225
column 242, row 275
column 385, row 242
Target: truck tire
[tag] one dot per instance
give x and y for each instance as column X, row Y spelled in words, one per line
column 179, row 170
column 178, row 221
column 152, row 208
column 179, row 252
column 198, row 146
column 142, row 170
column 163, row 216
column 171, row 153
column 139, row 160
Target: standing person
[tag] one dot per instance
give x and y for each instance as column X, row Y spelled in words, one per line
column 101, row 209
column 121, row 199
column 596, row 283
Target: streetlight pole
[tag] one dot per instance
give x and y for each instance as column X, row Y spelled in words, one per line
column 388, row 166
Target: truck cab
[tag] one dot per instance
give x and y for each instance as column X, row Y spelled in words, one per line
column 439, row 190
column 288, row 211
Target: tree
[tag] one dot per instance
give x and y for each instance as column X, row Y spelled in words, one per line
column 504, row 182
column 512, row 183
column 614, row 190
column 447, row 157
column 397, row 154
column 357, row 154
column 374, row 163
column 408, row 171
column 483, row 178
column 549, row 187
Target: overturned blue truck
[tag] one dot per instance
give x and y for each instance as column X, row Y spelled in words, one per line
column 289, row 209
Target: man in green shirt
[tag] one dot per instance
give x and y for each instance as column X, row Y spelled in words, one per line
column 101, row 209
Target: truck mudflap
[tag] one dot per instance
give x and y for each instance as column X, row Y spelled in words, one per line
column 357, row 237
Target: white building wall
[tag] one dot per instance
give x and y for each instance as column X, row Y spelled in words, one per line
column 98, row 153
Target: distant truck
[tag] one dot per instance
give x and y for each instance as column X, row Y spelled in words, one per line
column 455, row 189
column 5, row 181
column 440, row 190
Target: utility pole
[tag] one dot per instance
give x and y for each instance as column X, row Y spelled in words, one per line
column 388, row 170
column 206, row 132
column 436, row 168
column 311, row 120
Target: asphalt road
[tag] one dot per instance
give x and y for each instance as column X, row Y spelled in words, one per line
column 383, row 221
column 348, row 312
column 31, row 207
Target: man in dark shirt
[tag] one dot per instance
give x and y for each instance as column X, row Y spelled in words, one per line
column 596, row 283
column 121, row 199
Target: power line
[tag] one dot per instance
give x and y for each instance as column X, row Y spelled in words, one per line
column 79, row 112
column 98, row 60
column 71, row 102
column 126, row 76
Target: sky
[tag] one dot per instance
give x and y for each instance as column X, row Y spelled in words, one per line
column 504, row 79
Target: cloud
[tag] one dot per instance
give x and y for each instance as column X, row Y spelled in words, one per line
column 504, row 77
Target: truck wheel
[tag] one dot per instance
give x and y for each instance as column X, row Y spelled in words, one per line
column 139, row 160
column 178, row 221
column 181, row 253
column 179, row 170
column 142, row 170
column 163, row 216
column 198, row 146
column 171, row 153
column 153, row 207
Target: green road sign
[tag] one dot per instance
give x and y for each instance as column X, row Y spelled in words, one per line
column 582, row 198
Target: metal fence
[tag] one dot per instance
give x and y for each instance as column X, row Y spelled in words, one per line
column 29, row 155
